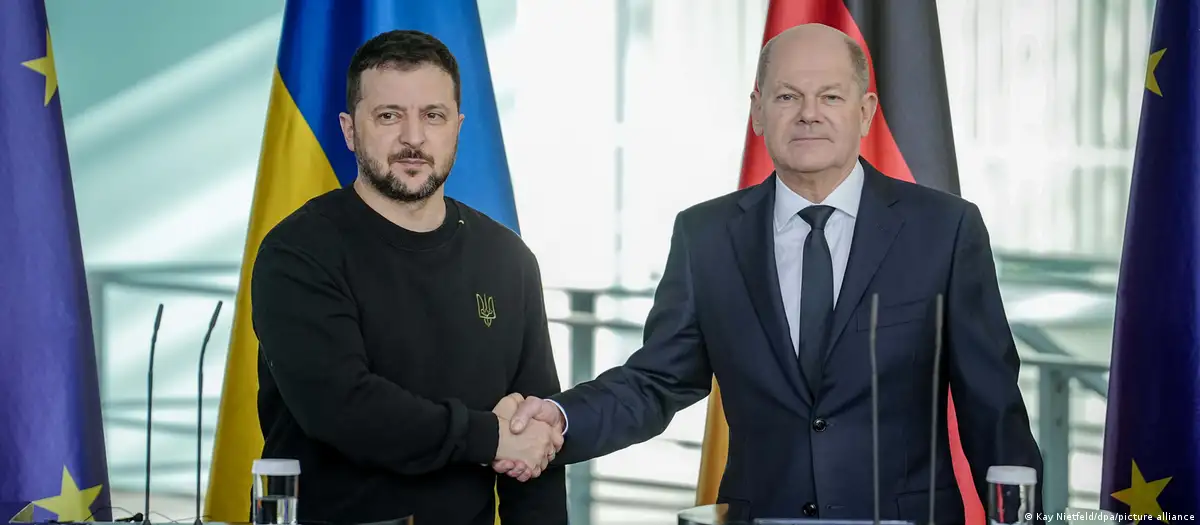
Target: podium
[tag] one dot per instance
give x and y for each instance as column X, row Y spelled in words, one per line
column 715, row 515
column 407, row 520
column 706, row 515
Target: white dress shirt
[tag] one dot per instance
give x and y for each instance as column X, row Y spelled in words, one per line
column 791, row 230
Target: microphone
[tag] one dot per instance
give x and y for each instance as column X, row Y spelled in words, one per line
column 150, row 408
column 874, row 404
column 212, row 323
column 933, row 418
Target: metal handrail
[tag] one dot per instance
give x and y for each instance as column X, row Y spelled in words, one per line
column 1058, row 368
column 1073, row 364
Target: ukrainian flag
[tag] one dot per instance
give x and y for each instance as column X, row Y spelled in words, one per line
column 304, row 155
column 1152, row 432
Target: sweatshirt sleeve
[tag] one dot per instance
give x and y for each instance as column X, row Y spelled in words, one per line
column 542, row 500
column 307, row 327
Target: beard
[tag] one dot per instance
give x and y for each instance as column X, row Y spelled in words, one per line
column 391, row 186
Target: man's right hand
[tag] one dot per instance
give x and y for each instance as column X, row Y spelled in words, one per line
column 536, row 409
column 532, row 413
column 534, row 447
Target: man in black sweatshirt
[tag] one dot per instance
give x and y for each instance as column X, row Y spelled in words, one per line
column 394, row 320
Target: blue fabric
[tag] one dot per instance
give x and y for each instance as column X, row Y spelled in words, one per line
column 1154, row 386
column 317, row 82
column 50, row 424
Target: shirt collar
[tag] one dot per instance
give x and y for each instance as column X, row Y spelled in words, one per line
column 844, row 198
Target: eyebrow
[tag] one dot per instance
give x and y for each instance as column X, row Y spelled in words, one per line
column 826, row 87
column 397, row 107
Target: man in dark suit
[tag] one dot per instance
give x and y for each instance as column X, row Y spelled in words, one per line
column 770, row 288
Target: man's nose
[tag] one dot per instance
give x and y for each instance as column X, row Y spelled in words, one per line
column 413, row 132
column 810, row 110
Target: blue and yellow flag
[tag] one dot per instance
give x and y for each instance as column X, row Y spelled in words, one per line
column 1152, row 432
column 52, row 457
column 304, row 155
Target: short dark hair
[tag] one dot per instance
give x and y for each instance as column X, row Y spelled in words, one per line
column 400, row 49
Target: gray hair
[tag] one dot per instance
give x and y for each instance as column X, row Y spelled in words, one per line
column 858, row 58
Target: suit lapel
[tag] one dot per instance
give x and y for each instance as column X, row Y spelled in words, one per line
column 874, row 230
column 754, row 244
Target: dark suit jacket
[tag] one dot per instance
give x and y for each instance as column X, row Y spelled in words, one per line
column 718, row 311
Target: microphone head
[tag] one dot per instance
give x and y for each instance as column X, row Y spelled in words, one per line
column 216, row 313
column 154, row 334
column 212, row 323
column 874, row 318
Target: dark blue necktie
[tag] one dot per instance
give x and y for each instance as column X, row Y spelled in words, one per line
column 816, row 295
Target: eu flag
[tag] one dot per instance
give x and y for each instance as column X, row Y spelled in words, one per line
column 1152, row 432
column 52, row 458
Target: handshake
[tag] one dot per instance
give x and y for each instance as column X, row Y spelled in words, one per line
column 531, row 433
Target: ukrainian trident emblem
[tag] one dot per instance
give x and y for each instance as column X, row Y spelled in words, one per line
column 487, row 308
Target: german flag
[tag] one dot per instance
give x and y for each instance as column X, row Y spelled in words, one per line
column 910, row 139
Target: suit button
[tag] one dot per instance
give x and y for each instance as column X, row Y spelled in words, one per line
column 810, row 509
column 819, row 425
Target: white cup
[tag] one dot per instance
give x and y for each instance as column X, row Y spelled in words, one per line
column 276, row 491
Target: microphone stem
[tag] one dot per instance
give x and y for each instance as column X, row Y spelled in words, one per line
column 150, row 409
column 875, row 404
column 212, row 323
column 199, row 422
column 933, row 420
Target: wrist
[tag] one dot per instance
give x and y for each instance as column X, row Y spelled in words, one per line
column 483, row 437
column 562, row 415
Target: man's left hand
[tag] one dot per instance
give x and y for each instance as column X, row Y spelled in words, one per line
column 508, row 406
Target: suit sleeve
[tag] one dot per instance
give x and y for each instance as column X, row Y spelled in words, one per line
column 307, row 326
column 541, row 500
column 634, row 402
column 983, row 363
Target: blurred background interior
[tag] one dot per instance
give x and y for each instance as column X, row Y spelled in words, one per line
column 642, row 115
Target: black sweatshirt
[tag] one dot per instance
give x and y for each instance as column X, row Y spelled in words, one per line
column 382, row 354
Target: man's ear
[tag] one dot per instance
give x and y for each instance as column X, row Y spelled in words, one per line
column 347, row 123
column 870, row 104
column 756, row 112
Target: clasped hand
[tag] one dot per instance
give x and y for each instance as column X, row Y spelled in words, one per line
column 530, row 436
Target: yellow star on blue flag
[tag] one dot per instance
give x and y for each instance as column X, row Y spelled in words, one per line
column 1151, row 65
column 45, row 66
column 1151, row 461
column 25, row 515
column 71, row 504
column 53, row 462
column 1142, row 496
